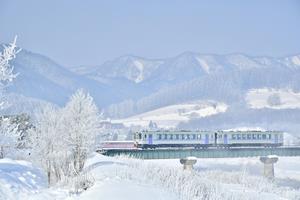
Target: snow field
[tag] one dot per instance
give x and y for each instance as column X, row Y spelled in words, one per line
column 171, row 116
column 127, row 178
column 210, row 183
column 259, row 98
column 18, row 179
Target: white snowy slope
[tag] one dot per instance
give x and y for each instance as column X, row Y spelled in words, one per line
column 273, row 98
column 113, row 182
column 133, row 68
column 171, row 116
column 19, row 179
column 17, row 103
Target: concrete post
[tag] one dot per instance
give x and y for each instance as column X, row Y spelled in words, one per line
column 188, row 162
column 269, row 165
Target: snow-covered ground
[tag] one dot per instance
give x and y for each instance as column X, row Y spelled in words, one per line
column 130, row 179
column 19, row 179
column 171, row 116
column 284, row 98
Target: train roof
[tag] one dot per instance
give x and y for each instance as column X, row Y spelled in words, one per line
column 217, row 131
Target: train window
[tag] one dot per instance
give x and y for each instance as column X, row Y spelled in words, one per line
column 187, row 136
column 254, row 136
column 171, row 136
column 194, row 136
column 244, row 136
column 233, row 136
column 145, row 136
column 177, row 137
column 249, row 136
column 159, row 136
column 270, row 136
column 258, row 136
column 166, row 137
column 199, row 136
column 182, row 136
column 264, row 136
column 238, row 136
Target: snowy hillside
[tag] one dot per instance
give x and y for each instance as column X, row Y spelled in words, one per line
column 17, row 103
column 273, row 98
column 191, row 76
column 41, row 78
column 130, row 67
column 171, row 116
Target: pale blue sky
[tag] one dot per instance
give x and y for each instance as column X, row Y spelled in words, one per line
column 74, row 32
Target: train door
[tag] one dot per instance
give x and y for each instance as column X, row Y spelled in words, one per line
column 276, row 138
column 206, row 139
column 225, row 139
column 150, row 139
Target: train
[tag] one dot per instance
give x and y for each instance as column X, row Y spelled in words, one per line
column 205, row 139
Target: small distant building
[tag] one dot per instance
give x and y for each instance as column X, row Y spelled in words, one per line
column 117, row 126
column 152, row 125
column 109, row 125
column 105, row 124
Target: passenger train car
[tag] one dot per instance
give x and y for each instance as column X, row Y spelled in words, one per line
column 205, row 139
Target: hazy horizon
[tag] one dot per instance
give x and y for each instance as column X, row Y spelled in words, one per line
column 75, row 33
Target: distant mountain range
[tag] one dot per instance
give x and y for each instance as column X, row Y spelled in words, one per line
column 185, row 66
column 130, row 85
column 42, row 78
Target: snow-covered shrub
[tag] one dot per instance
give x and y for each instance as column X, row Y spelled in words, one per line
column 80, row 183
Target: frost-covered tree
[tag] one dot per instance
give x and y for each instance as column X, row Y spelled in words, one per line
column 7, row 74
column 81, row 124
column 10, row 136
column 6, row 69
column 274, row 100
column 46, row 142
column 8, row 131
column 62, row 138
